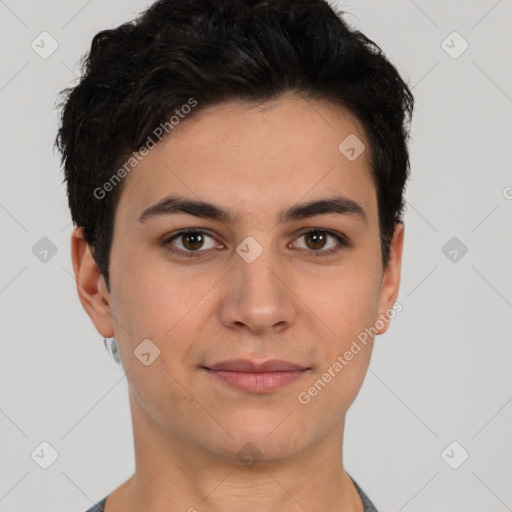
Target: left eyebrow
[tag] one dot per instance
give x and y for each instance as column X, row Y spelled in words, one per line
column 174, row 205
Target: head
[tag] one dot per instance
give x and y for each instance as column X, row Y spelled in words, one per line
column 243, row 113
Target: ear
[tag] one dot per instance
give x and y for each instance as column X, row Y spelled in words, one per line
column 391, row 278
column 90, row 285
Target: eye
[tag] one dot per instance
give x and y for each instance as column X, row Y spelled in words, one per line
column 316, row 241
column 192, row 242
column 189, row 243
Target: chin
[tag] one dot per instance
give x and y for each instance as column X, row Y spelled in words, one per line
column 256, row 440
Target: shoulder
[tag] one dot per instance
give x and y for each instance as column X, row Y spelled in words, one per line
column 368, row 505
column 98, row 507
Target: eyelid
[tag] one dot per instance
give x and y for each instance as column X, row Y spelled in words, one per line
column 168, row 239
column 342, row 239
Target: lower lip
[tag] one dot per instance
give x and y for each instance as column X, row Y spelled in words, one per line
column 257, row 382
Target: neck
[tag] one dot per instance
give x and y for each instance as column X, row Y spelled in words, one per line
column 172, row 474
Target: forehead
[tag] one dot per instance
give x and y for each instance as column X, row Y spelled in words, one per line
column 262, row 155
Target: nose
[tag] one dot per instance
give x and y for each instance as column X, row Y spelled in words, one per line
column 258, row 295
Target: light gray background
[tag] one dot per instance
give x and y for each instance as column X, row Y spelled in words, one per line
column 442, row 373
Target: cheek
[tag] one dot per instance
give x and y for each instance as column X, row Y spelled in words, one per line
column 348, row 307
column 144, row 296
column 153, row 301
column 346, row 300
column 148, row 303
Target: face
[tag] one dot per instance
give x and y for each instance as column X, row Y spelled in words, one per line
column 264, row 275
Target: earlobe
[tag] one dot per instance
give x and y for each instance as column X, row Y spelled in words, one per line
column 90, row 284
column 391, row 279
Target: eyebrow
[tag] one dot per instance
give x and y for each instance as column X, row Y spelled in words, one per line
column 174, row 205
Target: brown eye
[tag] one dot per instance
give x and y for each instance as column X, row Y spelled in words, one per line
column 190, row 243
column 192, row 240
column 316, row 241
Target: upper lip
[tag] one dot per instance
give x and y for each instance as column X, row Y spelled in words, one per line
column 246, row 365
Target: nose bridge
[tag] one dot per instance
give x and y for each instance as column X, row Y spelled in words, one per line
column 257, row 296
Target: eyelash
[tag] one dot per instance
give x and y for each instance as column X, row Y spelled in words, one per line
column 343, row 242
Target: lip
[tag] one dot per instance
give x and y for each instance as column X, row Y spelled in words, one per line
column 246, row 365
column 256, row 377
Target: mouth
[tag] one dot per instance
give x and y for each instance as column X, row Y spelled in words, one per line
column 254, row 377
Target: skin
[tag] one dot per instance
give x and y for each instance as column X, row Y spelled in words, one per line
column 287, row 304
